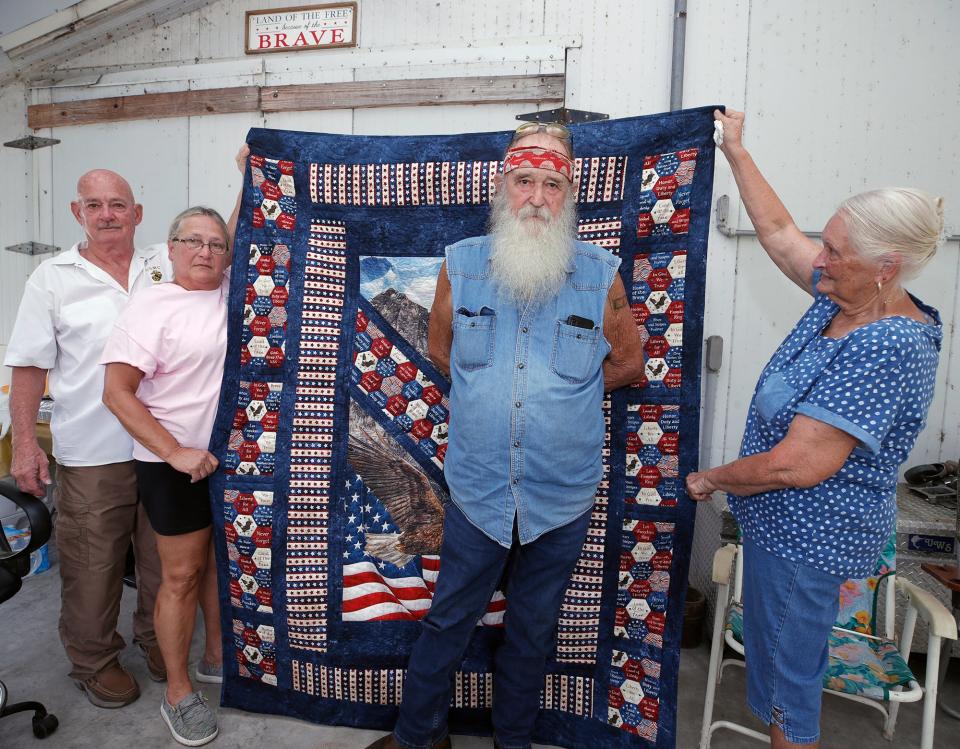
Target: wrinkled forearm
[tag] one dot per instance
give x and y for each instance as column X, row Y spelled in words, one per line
column 619, row 373
column 26, row 391
column 440, row 356
column 139, row 422
column 752, row 475
column 811, row 452
column 767, row 212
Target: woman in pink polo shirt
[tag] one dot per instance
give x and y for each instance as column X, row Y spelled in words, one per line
column 164, row 366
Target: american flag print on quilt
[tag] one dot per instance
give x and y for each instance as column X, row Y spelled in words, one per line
column 333, row 425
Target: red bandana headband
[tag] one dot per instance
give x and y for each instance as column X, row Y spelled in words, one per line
column 534, row 157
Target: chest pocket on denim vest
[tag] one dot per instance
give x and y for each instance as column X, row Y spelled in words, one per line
column 473, row 339
column 574, row 352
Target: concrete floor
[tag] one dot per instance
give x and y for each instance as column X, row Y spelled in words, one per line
column 33, row 666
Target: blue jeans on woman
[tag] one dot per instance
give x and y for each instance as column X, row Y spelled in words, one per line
column 471, row 565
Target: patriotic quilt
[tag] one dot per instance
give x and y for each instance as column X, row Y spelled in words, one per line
column 333, row 424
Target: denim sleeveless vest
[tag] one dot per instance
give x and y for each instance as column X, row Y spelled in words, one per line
column 526, row 424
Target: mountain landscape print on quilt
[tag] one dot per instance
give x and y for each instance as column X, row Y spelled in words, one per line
column 401, row 289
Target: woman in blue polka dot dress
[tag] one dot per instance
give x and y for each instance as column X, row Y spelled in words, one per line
column 836, row 411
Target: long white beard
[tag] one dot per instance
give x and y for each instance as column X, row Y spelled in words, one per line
column 529, row 258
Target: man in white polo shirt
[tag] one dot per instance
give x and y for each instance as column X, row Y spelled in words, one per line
column 68, row 309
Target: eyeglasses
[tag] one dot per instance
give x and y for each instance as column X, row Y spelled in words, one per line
column 553, row 129
column 195, row 243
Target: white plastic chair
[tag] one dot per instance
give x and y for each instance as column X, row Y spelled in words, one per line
column 845, row 645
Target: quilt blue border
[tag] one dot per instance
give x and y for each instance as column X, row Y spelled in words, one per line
column 395, row 231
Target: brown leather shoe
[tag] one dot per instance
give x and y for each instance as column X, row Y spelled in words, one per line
column 111, row 687
column 388, row 742
column 385, row 742
column 155, row 664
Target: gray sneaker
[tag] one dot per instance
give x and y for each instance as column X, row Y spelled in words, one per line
column 191, row 722
column 208, row 673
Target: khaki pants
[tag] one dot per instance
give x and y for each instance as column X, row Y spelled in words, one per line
column 98, row 515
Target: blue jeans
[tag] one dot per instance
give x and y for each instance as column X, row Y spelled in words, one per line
column 471, row 565
column 788, row 612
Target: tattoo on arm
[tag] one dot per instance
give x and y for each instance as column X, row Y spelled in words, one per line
column 619, row 303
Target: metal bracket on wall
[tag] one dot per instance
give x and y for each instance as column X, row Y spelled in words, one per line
column 32, row 248
column 714, row 353
column 564, row 116
column 31, row 143
column 722, row 215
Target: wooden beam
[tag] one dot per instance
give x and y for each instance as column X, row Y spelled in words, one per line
column 410, row 93
column 145, row 107
column 307, row 97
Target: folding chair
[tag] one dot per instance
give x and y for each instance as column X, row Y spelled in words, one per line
column 864, row 666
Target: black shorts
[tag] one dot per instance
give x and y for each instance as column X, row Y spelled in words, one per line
column 173, row 504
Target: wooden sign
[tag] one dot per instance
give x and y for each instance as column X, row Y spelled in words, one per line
column 306, row 27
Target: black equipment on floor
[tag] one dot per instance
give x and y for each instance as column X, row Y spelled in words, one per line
column 13, row 566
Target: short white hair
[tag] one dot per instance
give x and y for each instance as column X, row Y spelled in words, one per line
column 199, row 210
column 900, row 224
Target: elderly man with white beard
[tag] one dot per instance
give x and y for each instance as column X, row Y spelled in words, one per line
column 532, row 326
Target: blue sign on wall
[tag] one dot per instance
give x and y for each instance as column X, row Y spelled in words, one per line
column 930, row 544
